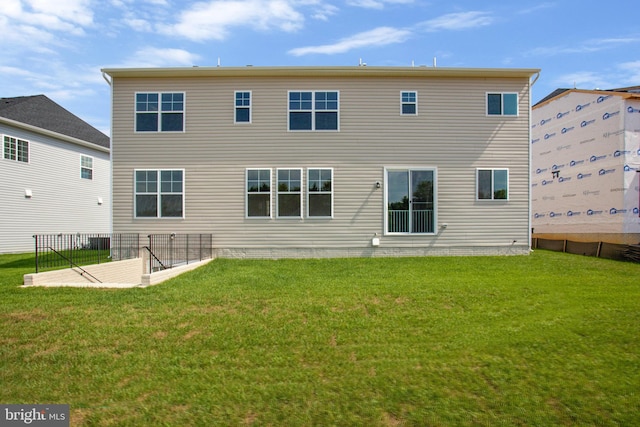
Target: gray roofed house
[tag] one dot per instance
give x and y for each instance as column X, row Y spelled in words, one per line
column 40, row 111
column 55, row 173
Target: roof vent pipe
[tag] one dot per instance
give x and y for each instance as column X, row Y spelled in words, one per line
column 434, row 62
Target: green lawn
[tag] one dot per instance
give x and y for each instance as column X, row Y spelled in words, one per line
column 543, row 340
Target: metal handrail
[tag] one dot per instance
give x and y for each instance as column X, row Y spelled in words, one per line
column 73, row 264
column 164, row 267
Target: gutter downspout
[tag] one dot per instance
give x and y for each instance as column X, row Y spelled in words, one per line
column 110, row 83
column 530, row 229
column 106, row 79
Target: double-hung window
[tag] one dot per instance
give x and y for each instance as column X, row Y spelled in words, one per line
column 408, row 103
column 492, row 184
column 160, row 112
column 86, row 167
column 289, row 193
column 317, row 110
column 319, row 193
column 16, row 149
column 242, row 107
column 410, row 200
column 502, row 104
column 258, row 193
column 159, row 193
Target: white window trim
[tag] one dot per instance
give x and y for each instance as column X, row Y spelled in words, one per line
column 486, row 104
column 386, row 199
column 246, row 194
column 278, row 192
column 235, row 107
column 82, row 167
column 313, row 111
column 403, row 103
column 308, row 193
column 158, row 192
column 17, row 139
column 492, row 199
column 159, row 112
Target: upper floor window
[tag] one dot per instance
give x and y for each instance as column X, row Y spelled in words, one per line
column 409, row 103
column 493, row 184
column 159, row 193
column 160, row 112
column 86, row 167
column 313, row 110
column 16, row 149
column 502, row 104
column 243, row 107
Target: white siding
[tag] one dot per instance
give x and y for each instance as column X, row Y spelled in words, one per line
column 61, row 201
column 590, row 140
column 451, row 133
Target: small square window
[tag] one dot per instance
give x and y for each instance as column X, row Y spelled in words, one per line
column 86, row 167
column 492, row 184
column 242, row 107
column 409, row 103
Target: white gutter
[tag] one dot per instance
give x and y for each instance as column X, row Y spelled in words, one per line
column 104, row 76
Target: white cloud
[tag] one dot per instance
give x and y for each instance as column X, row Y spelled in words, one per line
column 36, row 23
column 535, row 8
column 589, row 46
column 458, row 21
column 375, row 4
column 157, row 57
column 582, row 80
column 213, row 19
column 324, row 11
column 377, row 37
column 630, row 73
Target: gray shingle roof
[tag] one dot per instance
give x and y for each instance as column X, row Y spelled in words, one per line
column 40, row 111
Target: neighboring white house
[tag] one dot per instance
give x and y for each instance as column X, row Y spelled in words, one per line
column 55, row 173
column 325, row 161
column 585, row 163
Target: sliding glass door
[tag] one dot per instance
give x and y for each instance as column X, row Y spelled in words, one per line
column 410, row 200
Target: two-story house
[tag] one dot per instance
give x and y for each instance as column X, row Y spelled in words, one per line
column 585, row 159
column 325, row 161
column 55, row 173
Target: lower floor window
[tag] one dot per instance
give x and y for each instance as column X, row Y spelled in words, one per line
column 493, row 184
column 258, row 193
column 410, row 200
column 320, row 193
column 289, row 193
column 159, row 193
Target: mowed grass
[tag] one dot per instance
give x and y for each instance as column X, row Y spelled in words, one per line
column 543, row 340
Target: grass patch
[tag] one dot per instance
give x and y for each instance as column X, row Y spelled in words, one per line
column 548, row 339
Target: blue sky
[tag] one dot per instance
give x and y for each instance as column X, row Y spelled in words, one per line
column 57, row 47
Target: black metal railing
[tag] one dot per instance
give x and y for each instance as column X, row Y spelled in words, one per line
column 56, row 251
column 171, row 250
column 620, row 252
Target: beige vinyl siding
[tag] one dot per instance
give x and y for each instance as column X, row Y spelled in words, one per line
column 451, row 133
